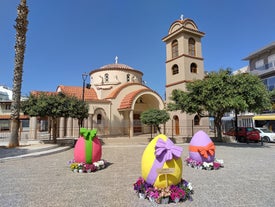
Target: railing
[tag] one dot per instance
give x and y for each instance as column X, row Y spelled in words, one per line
column 266, row 66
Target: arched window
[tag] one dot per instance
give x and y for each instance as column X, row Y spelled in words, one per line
column 106, row 76
column 175, row 69
column 175, row 51
column 128, row 77
column 193, row 68
column 196, row 120
column 176, row 125
column 98, row 119
column 191, row 47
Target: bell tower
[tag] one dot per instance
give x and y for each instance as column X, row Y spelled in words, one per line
column 184, row 63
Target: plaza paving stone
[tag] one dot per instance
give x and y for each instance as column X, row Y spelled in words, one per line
column 247, row 180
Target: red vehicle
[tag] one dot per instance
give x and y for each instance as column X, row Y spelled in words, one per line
column 245, row 134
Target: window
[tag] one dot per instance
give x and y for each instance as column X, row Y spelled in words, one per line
column 98, row 119
column 106, row 76
column 196, row 120
column 259, row 65
column 269, row 83
column 175, row 51
column 128, row 77
column 193, row 68
column 191, row 47
column 139, row 100
column 271, row 61
column 175, row 69
column 8, row 106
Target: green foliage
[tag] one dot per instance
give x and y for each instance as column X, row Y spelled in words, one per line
column 77, row 108
column 272, row 98
column 250, row 94
column 55, row 106
column 221, row 92
column 154, row 117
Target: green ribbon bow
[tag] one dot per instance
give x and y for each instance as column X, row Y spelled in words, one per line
column 88, row 135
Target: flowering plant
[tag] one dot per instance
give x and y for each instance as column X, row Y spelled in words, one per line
column 182, row 191
column 86, row 167
column 204, row 165
column 152, row 192
column 165, row 192
column 89, row 167
column 140, row 186
column 74, row 165
column 187, row 188
column 177, row 193
column 99, row 164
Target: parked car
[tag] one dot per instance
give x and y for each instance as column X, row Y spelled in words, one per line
column 245, row 134
column 266, row 134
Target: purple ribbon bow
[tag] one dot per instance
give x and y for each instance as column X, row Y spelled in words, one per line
column 164, row 151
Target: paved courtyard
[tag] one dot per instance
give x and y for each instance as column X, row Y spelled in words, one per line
column 247, row 180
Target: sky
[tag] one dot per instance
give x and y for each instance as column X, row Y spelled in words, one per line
column 66, row 38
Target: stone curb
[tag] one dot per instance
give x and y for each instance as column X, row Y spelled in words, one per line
column 38, row 152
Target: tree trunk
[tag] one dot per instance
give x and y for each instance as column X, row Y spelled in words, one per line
column 54, row 130
column 158, row 128
column 21, row 30
column 236, row 125
column 218, row 123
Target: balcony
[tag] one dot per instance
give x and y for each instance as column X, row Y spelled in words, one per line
column 265, row 69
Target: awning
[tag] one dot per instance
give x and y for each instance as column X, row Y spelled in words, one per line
column 228, row 118
column 264, row 117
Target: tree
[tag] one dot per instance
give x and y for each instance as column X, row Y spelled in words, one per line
column 78, row 109
column 154, row 117
column 221, row 92
column 272, row 98
column 20, row 45
column 250, row 95
column 55, row 106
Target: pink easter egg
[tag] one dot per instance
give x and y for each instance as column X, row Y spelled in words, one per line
column 199, row 144
column 80, row 153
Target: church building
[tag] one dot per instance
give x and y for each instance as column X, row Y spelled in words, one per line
column 117, row 94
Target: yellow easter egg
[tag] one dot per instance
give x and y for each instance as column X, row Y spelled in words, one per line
column 155, row 168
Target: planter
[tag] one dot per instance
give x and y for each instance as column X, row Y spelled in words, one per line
column 75, row 170
column 177, row 200
column 152, row 200
column 141, row 195
column 89, row 170
column 80, row 171
column 164, row 200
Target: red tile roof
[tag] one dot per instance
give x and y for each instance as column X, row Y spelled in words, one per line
column 43, row 92
column 116, row 91
column 9, row 116
column 77, row 91
column 127, row 101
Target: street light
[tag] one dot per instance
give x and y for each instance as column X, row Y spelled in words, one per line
column 84, row 77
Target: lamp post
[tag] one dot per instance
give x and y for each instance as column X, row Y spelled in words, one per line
column 84, row 77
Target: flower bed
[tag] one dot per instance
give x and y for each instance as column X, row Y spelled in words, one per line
column 204, row 165
column 85, row 167
column 173, row 193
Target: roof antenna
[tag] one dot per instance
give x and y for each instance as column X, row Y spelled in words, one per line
column 181, row 17
column 116, row 59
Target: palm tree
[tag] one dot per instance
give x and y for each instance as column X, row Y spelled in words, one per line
column 20, row 45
